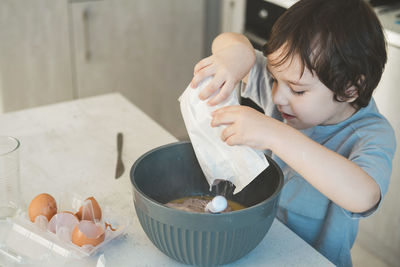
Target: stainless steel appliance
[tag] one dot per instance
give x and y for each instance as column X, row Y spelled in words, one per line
column 259, row 19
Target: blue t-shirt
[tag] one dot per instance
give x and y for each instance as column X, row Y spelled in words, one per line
column 366, row 138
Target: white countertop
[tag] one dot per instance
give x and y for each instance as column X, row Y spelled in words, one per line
column 71, row 146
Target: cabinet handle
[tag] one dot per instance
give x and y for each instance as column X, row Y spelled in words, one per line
column 86, row 33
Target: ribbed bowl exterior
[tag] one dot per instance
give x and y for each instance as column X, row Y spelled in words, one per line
column 203, row 247
column 200, row 239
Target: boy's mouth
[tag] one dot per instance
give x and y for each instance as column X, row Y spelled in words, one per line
column 287, row 116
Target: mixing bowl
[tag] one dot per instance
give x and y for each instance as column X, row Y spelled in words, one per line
column 170, row 172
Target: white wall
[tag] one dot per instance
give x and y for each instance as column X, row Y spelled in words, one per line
column 380, row 233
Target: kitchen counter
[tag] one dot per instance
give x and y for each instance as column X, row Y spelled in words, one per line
column 71, row 146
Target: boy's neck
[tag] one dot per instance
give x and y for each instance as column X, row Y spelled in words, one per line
column 343, row 114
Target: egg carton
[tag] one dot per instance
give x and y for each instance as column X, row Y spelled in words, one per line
column 25, row 242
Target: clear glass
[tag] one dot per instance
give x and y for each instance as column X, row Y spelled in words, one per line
column 10, row 194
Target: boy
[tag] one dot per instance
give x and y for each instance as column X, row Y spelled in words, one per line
column 322, row 62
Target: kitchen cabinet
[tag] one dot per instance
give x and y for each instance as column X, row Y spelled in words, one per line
column 53, row 51
column 34, row 53
column 233, row 15
column 144, row 49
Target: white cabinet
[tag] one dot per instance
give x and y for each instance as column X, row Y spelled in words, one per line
column 144, row 49
column 53, row 51
column 35, row 66
column 233, row 15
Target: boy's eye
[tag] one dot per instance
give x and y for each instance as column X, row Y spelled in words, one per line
column 272, row 80
column 297, row 92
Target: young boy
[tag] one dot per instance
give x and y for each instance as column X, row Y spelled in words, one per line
column 315, row 83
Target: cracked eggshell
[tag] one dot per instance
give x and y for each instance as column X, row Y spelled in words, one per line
column 63, row 219
column 43, row 204
column 88, row 233
column 90, row 210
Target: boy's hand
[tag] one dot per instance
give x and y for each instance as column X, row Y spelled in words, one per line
column 245, row 126
column 233, row 56
column 222, row 81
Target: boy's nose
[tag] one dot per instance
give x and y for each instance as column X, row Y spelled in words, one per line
column 279, row 96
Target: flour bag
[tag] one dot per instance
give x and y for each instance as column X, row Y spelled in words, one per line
column 219, row 161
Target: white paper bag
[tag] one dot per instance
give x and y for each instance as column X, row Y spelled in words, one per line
column 237, row 164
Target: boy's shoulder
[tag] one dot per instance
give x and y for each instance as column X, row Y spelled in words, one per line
column 370, row 124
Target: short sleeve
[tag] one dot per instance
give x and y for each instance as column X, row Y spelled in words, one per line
column 374, row 153
column 259, row 86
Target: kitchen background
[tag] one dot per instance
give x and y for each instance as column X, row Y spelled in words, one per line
column 60, row 50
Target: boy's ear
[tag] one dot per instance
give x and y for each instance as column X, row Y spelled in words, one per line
column 352, row 94
column 352, row 91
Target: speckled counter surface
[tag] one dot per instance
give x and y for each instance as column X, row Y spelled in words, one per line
column 71, row 146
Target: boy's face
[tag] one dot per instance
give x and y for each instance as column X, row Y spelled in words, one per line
column 303, row 100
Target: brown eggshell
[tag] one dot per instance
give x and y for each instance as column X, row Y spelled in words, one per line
column 43, row 204
column 70, row 212
column 109, row 226
column 85, row 211
column 87, row 233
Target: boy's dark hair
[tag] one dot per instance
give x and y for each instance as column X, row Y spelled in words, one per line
column 341, row 40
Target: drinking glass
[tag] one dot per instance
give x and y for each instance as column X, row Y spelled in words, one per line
column 10, row 195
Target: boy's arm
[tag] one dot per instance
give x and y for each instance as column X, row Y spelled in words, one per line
column 232, row 58
column 338, row 178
